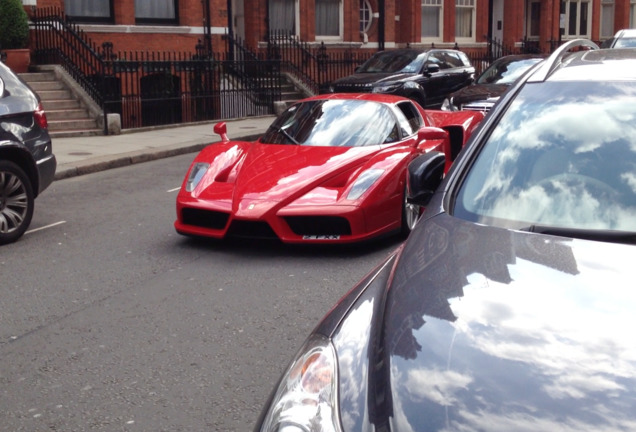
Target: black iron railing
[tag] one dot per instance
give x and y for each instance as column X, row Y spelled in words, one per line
column 315, row 67
column 58, row 41
column 152, row 88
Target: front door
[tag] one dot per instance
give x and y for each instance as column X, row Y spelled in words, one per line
column 497, row 19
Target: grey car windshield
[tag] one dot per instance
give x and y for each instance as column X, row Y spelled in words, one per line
column 334, row 122
column 407, row 61
column 564, row 155
column 506, row 71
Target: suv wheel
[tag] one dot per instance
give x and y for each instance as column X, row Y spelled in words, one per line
column 16, row 202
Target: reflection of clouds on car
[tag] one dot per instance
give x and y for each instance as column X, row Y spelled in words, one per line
column 576, row 165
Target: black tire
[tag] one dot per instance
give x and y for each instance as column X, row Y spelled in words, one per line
column 16, row 202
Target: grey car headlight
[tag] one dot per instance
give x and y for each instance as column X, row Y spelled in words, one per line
column 306, row 398
column 386, row 88
column 196, row 174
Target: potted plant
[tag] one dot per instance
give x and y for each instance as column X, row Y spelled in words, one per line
column 14, row 35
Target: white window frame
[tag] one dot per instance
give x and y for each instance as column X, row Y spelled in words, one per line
column 467, row 4
column 606, row 29
column 632, row 14
column 296, row 17
column 580, row 4
column 333, row 38
column 366, row 16
column 439, row 5
column 529, row 35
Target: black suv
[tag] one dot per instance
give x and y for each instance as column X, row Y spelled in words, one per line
column 427, row 77
column 27, row 163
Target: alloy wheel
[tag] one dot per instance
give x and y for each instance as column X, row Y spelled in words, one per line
column 16, row 202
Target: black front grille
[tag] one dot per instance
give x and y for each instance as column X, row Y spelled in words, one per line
column 240, row 228
column 319, row 225
column 204, row 218
column 352, row 88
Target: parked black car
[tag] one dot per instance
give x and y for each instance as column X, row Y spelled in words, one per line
column 511, row 304
column 426, row 77
column 485, row 91
column 27, row 162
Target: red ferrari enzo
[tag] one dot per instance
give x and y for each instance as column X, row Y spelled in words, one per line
column 331, row 168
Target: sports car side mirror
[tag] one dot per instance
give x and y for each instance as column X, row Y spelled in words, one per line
column 221, row 129
column 431, row 133
column 425, row 173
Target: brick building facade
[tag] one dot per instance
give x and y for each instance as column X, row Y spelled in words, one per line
column 178, row 25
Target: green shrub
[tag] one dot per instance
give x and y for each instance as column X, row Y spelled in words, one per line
column 14, row 25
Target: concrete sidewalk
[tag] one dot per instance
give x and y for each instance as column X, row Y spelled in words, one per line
column 83, row 155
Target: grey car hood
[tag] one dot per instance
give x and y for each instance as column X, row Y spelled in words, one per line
column 487, row 329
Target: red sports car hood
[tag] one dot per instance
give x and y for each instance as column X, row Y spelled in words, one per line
column 273, row 175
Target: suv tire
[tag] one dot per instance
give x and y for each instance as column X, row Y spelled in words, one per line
column 16, row 202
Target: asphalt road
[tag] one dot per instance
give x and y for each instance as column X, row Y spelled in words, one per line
column 110, row 321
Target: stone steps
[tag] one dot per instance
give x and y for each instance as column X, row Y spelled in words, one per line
column 65, row 114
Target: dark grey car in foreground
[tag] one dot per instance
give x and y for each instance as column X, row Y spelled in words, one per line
column 510, row 307
column 27, row 163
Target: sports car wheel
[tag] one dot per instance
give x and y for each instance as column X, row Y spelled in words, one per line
column 16, row 202
column 410, row 214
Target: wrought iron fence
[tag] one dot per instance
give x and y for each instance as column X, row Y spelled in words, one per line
column 314, row 66
column 150, row 88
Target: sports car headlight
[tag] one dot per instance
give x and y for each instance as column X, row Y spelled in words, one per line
column 364, row 182
column 196, row 174
column 306, row 398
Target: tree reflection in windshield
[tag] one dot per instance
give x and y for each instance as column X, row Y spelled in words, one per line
column 340, row 123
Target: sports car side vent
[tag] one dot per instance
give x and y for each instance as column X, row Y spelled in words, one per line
column 204, row 218
column 318, row 225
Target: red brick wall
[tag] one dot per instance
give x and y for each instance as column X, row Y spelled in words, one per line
column 406, row 30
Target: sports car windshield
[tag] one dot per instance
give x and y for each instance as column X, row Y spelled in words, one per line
column 334, row 122
column 563, row 155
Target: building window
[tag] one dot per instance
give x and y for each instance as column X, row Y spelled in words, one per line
column 432, row 13
column 577, row 18
column 465, row 19
column 156, row 12
column 282, row 17
column 607, row 19
column 89, row 10
column 632, row 14
column 366, row 16
column 533, row 23
column 327, row 17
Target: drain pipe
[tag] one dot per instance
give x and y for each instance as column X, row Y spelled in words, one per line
column 381, row 25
